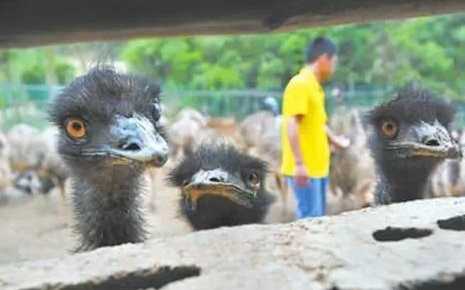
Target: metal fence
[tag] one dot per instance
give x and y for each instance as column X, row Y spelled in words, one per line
column 28, row 103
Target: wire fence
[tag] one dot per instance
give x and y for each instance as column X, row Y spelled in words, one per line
column 28, row 103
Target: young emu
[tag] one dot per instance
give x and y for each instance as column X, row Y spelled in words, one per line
column 108, row 134
column 411, row 137
column 221, row 187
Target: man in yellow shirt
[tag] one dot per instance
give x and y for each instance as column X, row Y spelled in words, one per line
column 305, row 135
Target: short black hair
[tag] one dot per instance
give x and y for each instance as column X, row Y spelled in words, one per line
column 318, row 47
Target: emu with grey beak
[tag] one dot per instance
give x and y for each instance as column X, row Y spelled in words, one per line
column 220, row 183
column 427, row 140
column 221, row 186
column 109, row 134
column 131, row 140
column 410, row 138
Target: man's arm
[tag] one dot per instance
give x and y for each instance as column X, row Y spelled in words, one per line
column 300, row 175
column 340, row 142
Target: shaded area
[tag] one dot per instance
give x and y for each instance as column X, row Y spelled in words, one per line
column 457, row 283
column 456, row 223
column 138, row 280
column 395, row 234
column 51, row 21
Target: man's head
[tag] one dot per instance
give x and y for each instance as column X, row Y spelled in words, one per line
column 321, row 53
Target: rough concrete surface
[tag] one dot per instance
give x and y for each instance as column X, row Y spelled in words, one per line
column 41, row 227
column 338, row 252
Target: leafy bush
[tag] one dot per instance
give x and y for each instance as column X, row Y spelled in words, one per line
column 427, row 50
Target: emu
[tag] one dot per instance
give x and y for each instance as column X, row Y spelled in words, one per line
column 410, row 138
column 221, row 186
column 109, row 134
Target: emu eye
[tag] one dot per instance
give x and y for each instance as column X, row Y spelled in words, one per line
column 156, row 112
column 75, row 128
column 389, row 128
column 253, row 180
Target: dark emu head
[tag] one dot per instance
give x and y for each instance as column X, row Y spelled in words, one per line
column 221, row 186
column 410, row 138
column 108, row 134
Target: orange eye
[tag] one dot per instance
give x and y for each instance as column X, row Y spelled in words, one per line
column 253, row 180
column 389, row 128
column 75, row 128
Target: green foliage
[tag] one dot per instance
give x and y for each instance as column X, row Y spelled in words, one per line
column 35, row 66
column 426, row 50
column 64, row 72
column 33, row 75
column 382, row 54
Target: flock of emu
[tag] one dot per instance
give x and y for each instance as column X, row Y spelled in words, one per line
column 110, row 130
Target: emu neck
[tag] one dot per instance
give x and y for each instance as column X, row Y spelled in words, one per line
column 402, row 184
column 107, row 207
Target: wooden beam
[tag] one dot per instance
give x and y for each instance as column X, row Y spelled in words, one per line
column 40, row 22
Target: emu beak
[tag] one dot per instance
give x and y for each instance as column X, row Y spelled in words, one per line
column 217, row 182
column 428, row 140
column 134, row 139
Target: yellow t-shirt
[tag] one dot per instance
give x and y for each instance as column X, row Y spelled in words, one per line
column 304, row 96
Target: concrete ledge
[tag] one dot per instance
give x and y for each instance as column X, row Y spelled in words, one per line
column 408, row 251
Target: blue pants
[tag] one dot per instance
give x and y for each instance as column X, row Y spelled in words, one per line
column 311, row 199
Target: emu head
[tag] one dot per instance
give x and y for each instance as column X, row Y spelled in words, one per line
column 108, row 120
column 219, row 171
column 411, row 136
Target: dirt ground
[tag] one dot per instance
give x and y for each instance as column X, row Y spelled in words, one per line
column 40, row 227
